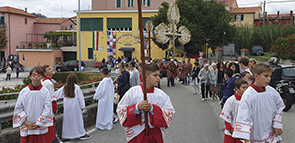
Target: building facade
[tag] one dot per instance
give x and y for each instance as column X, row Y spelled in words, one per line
column 245, row 15
column 278, row 18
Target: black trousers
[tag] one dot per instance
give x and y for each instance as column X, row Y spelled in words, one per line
column 205, row 90
column 170, row 80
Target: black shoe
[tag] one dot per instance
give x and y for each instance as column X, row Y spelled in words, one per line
column 85, row 137
column 173, row 85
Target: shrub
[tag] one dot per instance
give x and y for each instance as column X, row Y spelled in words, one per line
column 284, row 47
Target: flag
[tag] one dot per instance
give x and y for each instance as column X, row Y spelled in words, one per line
column 23, row 56
column 95, row 40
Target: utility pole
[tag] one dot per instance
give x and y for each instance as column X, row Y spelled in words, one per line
column 264, row 13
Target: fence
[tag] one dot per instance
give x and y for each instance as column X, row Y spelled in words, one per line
column 6, row 111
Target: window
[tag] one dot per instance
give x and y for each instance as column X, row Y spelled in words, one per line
column 239, row 17
column 90, row 53
column 26, row 21
column 144, row 20
column 91, row 24
column 119, row 24
column 2, row 22
column 145, row 2
column 119, row 3
column 130, row 3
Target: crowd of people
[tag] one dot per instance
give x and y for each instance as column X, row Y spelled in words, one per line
column 224, row 81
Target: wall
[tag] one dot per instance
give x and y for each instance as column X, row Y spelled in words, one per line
column 87, row 38
column 33, row 57
column 42, row 28
column 111, row 4
column 18, row 30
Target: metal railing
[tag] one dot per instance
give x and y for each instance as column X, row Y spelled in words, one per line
column 6, row 113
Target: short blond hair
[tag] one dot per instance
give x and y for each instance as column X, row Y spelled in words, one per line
column 261, row 68
column 251, row 60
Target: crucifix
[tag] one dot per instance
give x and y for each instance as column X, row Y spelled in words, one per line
column 149, row 27
column 165, row 33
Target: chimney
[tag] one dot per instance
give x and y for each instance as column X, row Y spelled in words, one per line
column 291, row 13
column 26, row 9
column 278, row 14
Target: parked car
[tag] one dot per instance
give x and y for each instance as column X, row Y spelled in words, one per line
column 286, row 86
column 69, row 66
column 257, row 51
column 166, row 62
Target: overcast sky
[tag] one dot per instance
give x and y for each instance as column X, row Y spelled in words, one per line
column 65, row 8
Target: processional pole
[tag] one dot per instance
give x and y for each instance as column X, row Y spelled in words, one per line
column 143, row 63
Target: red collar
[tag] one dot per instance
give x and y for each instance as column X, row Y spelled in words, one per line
column 257, row 88
column 151, row 90
column 238, row 97
column 45, row 78
column 31, row 87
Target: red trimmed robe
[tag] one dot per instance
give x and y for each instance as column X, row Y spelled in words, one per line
column 132, row 120
column 47, row 82
column 34, row 105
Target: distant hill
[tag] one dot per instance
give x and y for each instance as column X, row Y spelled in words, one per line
column 39, row 15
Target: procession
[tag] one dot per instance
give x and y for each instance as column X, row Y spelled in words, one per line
column 104, row 81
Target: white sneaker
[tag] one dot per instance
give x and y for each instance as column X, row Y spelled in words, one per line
column 85, row 137
column 116, row 120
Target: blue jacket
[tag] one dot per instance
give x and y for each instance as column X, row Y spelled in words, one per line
column 229, row 87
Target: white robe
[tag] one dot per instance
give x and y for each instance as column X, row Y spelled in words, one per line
column 73, row 124
column 105, row 95
column 50, row 87
column 258, row 114
column 229, row 112
column 35, row 107
column 134, row 96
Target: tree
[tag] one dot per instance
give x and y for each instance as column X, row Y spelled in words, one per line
column 3, row 38
column 205, row 20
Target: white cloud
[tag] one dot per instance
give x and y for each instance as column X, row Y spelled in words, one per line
column 49, row 8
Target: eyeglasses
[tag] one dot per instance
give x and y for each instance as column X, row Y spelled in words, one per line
column 38, row 75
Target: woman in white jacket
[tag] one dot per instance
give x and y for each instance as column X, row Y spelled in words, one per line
column 203, row 77
column 213, row 81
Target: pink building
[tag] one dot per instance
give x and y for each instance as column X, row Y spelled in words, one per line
column 126, row 4
column 23, row 28
column 17, row 23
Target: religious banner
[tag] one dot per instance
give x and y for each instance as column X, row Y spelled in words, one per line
column 111, row 42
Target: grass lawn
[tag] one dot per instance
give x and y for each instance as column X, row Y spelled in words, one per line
column 263, row 58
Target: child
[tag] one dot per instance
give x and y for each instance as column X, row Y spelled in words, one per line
column 249, row 78
column 47, row 83
column 228, row 86
column 260, row 112
column 33, row 110
column 159, row 107
column 230, row 110
column 73, row 125
column 105, row 96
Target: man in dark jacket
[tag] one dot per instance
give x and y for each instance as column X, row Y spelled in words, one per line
column 277, row 73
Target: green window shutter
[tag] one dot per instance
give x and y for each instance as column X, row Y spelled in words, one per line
column 2, row 20
column 119, row 23
column 112, row 23
column 242, row 17
column 97, row 24
column 90, row 53
column 85, row 24
column 125, row 23
column 235, row 19
column 118, row 3
column 148, row 2
column 131, row 3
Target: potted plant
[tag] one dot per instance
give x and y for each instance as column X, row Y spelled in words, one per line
column 37, row 45
column 24, row 46
column 30, row 45
column 44, row 46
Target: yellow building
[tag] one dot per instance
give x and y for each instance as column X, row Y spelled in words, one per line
column 245, row 15
column 113, row 32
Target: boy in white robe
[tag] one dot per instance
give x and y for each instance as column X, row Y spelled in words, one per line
column 33, row 110
column 260, row 112
column 230, row 110
column 131, row 110
column 48, row 84
column 105, row 95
